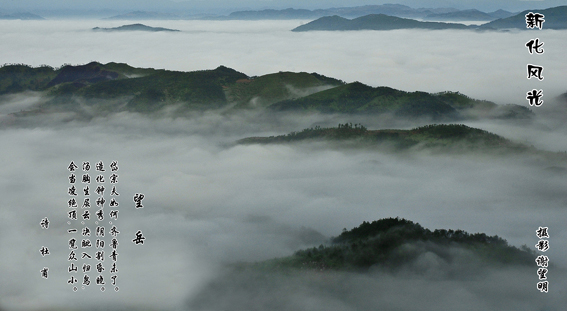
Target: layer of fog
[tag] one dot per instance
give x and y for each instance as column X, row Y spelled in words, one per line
column 483, row 65
column 209, row 203
column 490, row 289
column 14, row 103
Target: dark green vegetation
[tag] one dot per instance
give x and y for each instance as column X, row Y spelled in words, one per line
column 95, row 89
column 555, row 18
column 135, row 27
column 272, row 88
column 119, row 86
column 374, row 22
column 123, row 87
column 395, row 243
column 20, row 78
column 357, row 98
column 453, row 137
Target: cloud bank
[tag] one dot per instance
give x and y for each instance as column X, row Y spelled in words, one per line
column 208, row 203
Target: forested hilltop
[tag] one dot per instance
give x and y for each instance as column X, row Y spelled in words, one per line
column 388, row 260
column 391, row 244
column 435, row 138
column 455, row 137
column 98, row 89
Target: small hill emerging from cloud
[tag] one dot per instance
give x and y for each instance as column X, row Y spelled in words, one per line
column 392, row 244
column 135, row 27
column 442, row 137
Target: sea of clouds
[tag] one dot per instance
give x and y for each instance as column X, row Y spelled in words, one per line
column 210, row 202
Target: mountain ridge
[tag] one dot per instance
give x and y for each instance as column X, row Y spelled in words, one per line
column 555, row 18
column 373, row 22
column 113, row 87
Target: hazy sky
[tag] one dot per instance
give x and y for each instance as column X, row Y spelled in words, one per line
column 209, row 202
column 226, row 6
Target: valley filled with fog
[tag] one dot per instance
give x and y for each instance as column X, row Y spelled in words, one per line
column 210, row 203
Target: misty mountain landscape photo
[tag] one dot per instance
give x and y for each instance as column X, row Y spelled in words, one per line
column 283, row 155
